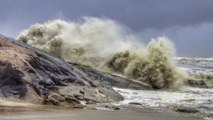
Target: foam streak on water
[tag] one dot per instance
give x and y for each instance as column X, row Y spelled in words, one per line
column 202, row 99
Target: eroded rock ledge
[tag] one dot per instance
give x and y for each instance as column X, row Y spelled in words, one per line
column 31, row 75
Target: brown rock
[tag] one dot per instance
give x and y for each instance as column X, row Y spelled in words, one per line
column 31, row 75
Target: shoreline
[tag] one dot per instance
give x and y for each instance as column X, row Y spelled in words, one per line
column 90, row 114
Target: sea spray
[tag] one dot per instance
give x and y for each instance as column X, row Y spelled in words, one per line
column 105, row 45
column 153, row 66
column 86, row 43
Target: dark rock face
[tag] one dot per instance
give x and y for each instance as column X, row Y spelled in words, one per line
column 12, row 82
column 107, row 79
column 197, row 83
column 31, row 75
column 187, row 109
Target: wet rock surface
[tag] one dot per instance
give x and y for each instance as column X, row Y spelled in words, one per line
column 31, row 75
column 187, row 109
column 197, row 83
column 103, row 78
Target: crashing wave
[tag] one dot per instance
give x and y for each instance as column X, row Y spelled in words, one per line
column 105, row 45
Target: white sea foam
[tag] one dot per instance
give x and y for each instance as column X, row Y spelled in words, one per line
column 199, row 98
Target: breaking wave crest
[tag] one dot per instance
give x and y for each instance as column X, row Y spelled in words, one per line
column 106, row 45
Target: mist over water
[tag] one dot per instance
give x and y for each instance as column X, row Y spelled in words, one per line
column 106, row 45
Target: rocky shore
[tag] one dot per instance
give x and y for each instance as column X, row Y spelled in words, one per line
column 32, row 76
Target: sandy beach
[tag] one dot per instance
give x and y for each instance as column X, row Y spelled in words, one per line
column 89, row 114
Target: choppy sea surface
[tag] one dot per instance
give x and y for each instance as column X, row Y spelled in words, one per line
column 195, row 65
column 198, row 98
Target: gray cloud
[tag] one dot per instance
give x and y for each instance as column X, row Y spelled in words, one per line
column 186, row 22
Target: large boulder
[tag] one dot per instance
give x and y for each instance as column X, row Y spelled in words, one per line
column 31, row 75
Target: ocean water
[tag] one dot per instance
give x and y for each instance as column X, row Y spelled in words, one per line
column 199, row 98
column 195, row 65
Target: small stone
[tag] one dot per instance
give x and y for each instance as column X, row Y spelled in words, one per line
column 56, row 97
column 135, row 103
column 52, row 101
column 116, row 108
column 187, row 109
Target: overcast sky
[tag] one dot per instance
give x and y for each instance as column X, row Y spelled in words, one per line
column 188, row 23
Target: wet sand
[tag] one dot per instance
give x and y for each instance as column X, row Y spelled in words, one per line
column 88, row 114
